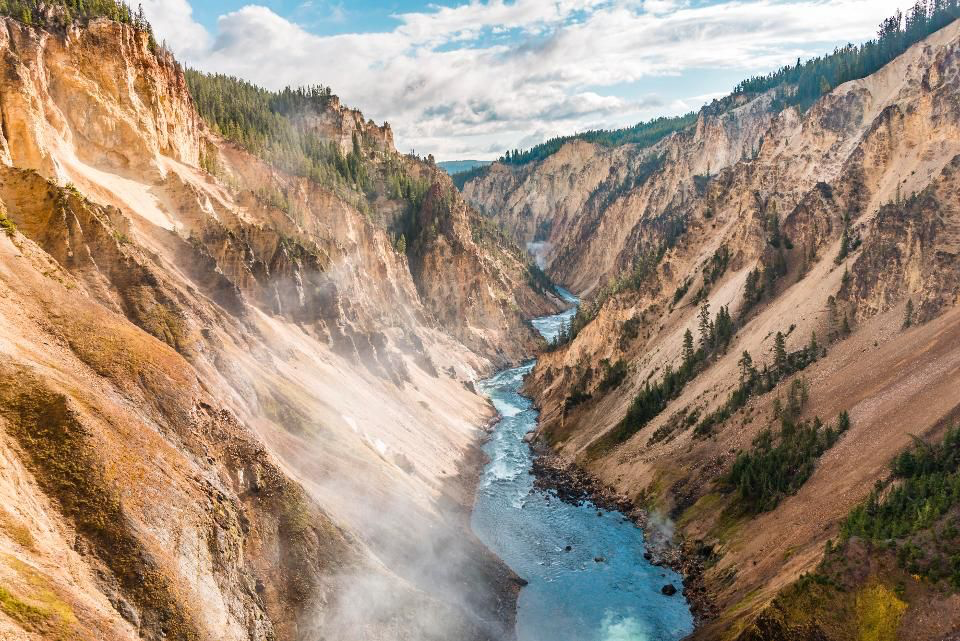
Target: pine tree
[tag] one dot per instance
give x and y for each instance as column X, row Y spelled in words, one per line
column 908, row 314
column 688, row 353
column 780, row 354
column 844, row 245
column 751, row 289
column 846, row 239
column 721, row 330
column 704, row 324
column 746, row 367
column 843, row 422
column 797, row 396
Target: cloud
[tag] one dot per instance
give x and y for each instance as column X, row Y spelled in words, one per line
column 328, row 11
column 173, row 21
column 662, row 6
column 481, row 75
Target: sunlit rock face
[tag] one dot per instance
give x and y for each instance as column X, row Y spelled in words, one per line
column 846, row 215
column 221, row 418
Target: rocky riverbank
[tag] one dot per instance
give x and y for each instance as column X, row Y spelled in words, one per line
column 664, row 546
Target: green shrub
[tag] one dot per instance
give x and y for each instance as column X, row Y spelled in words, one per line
column 7, row 226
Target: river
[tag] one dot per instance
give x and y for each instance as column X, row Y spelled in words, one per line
column 602, row 589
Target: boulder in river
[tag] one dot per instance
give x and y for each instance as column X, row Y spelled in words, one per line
column 669, row 589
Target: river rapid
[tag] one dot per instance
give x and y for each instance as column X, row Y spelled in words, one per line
column 588, row 580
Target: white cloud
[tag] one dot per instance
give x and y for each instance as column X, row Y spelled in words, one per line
column 173, row 20
column 461, row 80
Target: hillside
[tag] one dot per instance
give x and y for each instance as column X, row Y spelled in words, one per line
column 234, row 399
column 459, row 166
column 810, row 250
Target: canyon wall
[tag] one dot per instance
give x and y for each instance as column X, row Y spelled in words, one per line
column 836, row 227
column 232, row 407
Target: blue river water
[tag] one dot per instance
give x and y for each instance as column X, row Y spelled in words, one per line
column 602, row 589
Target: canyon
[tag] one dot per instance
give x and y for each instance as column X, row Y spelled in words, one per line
column 832, row 229
column 233, row 406
column 262, row 376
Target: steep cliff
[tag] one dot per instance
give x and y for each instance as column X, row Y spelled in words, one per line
column 232, row 406
column 812, row 255
column 585, row 208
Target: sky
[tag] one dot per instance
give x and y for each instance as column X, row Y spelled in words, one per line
column 469, row 80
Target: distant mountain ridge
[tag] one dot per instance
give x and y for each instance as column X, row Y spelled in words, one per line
column 797, row 85
column 453, row 167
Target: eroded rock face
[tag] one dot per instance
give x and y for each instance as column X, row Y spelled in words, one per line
column 842, row 214
column 342, row 124
column 99, row 91
column 453, row 261
column 585, row 206
column 224, row 416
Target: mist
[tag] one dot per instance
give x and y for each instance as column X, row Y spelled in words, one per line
column 539, row 251
column 389, row 449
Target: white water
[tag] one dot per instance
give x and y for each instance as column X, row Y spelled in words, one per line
column 570, row 596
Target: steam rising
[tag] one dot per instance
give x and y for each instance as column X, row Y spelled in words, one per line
column 659, row 530
column 430, row 578
column 539, row 251
column 383, row 456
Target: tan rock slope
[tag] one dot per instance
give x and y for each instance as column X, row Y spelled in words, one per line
column 588, row 206
column 847, row 213
column 230, row 408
